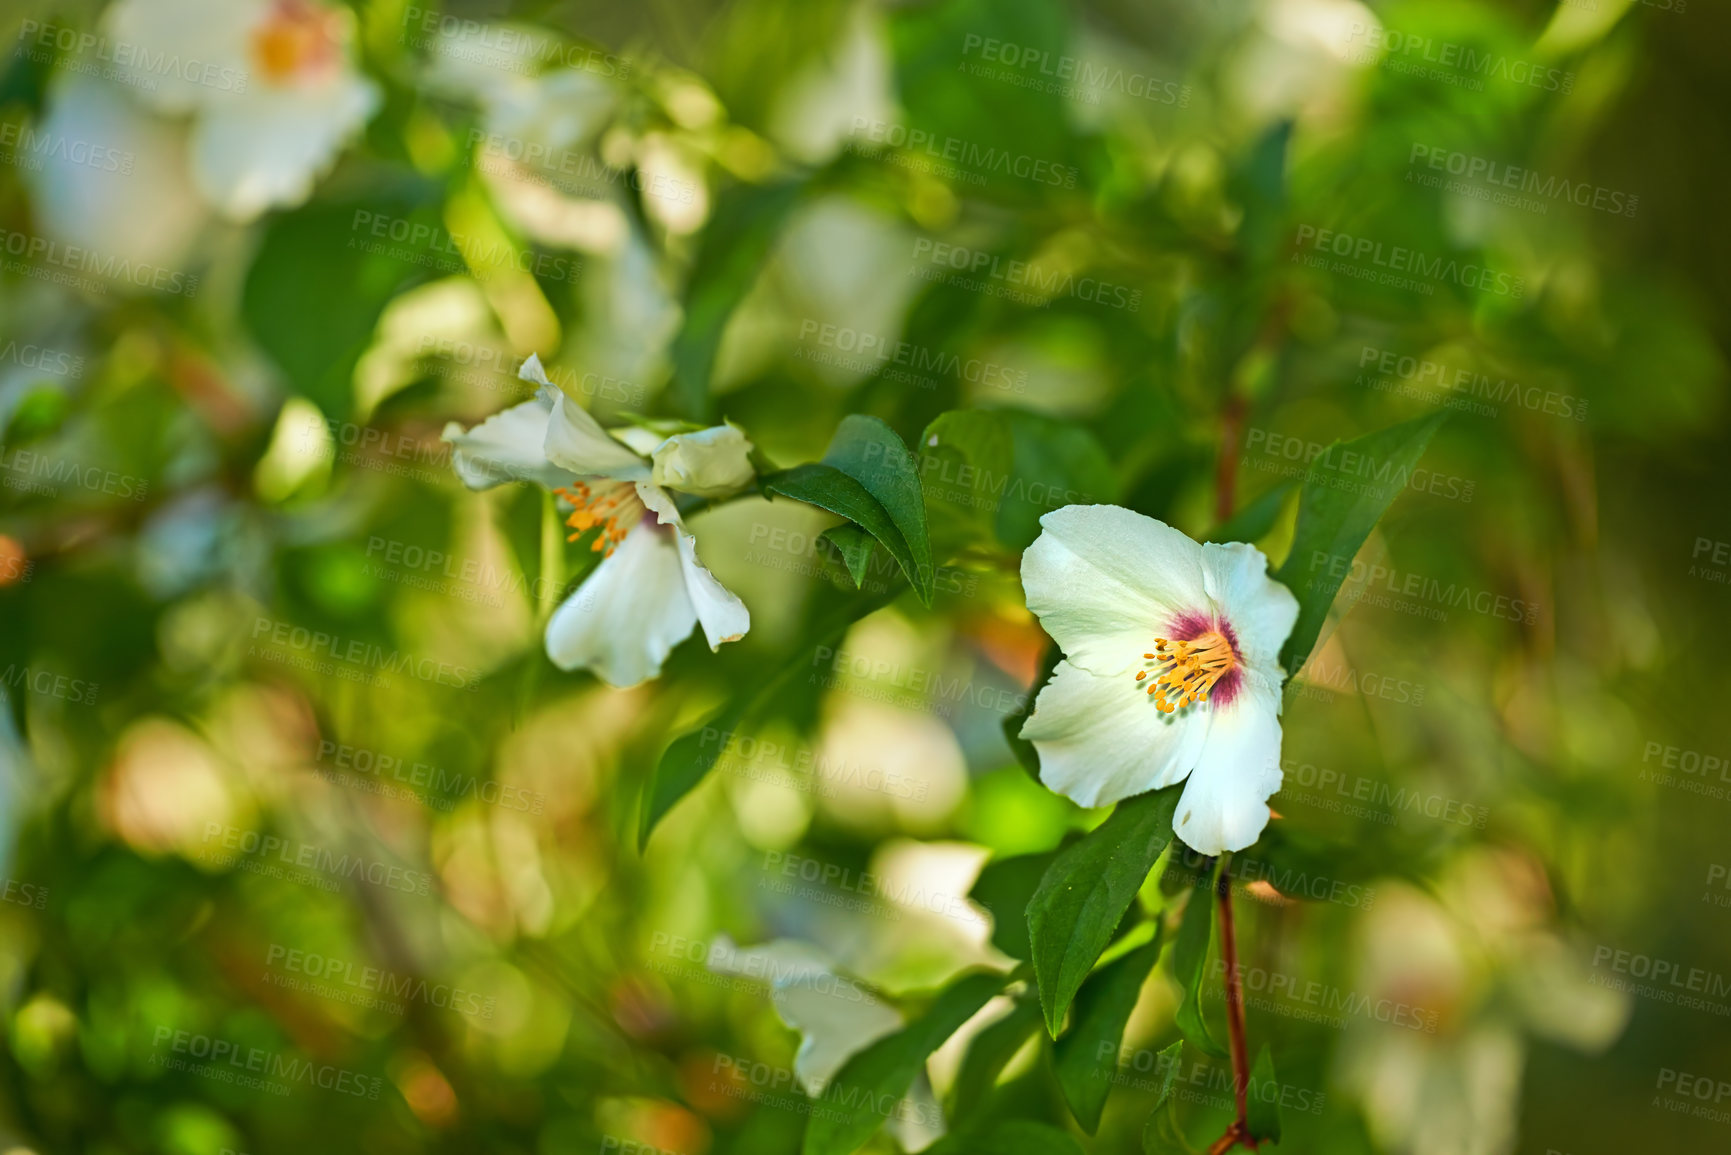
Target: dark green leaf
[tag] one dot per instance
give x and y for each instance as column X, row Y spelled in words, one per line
column 1009, row 1137
column 1262, row 1110
column 1086, row 1058
column 1082, row 899
column 868, row 450
column 988, row 1054
column 1004, row 887
column 1255, row 520
column 829, row 488
column 965, row 456
column 1190, row 968
column 1161, row 1134
column 883, row 1071
column 1336, row 512
column 1055, row 464
column 855, row 547
column 1013, row 722
column 746, row 221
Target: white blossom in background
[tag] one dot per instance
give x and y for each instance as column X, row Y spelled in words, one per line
column 276, row 98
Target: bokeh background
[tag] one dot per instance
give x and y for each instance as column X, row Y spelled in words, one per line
column 242, row 294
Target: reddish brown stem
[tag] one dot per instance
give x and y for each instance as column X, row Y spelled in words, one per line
column 1239, row 1132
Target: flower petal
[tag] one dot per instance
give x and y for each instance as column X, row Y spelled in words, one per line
column 1225, row 801
column 507, row 447
column 711, row 462
column 209, row 32
column 576, row 440
column 1105, row 581
column 1101, row 738
column 1260, row 609
column 628, row 615
column 723, row 616
column 266, row 147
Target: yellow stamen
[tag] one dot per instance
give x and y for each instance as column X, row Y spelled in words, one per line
column 1187, row 671
column 297, row 39
column 612, row 505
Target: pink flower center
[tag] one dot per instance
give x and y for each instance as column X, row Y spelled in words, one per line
column 1187, row 670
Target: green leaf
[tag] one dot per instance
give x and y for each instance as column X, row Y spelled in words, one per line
column 1086, row 1058
column 1009, row 1137
column 1004, row 888
column 883, row 1071
column 1189, row 967
column 855, row 547
column 1055, row 463
column 1255, row 520
column 1083, row 897
column 314, row 294
column 829, row 488
column 1161, row 1135
column 868, row 450
column 1013, row 722
column 965, row 456
column 745, row 224
column 1336, row 512
column 988, row 1054
column 1262, row 1110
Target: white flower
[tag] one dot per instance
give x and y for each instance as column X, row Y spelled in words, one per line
column 836, row 1018
column 1171, row 669
column 650, row 589
column 269, row 84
